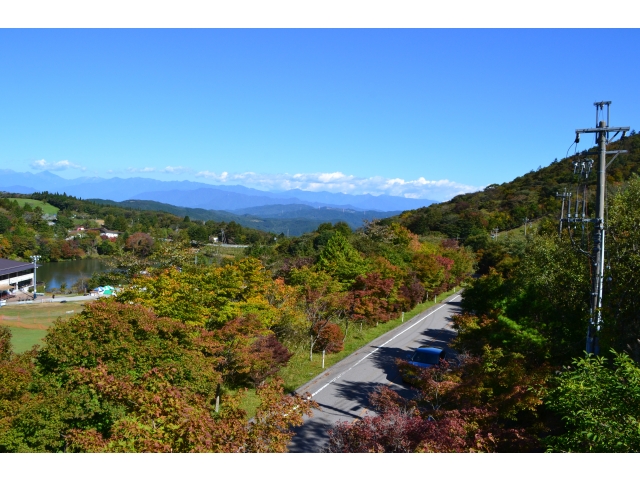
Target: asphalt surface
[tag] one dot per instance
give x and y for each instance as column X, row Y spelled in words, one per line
column 60, row 299
column 342, row 391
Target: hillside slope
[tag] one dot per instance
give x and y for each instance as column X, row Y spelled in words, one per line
column 530, row 196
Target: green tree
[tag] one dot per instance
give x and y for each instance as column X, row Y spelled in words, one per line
column 621, row 310
column 107, row 247
column 341, row 260
column 599, row 406
column 5, row 224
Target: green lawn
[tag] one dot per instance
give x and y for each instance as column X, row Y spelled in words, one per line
column 46, row 208
column 22, row 339
column 29, row 323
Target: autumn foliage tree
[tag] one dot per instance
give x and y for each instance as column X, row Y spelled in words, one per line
column 455, row 409
column 5, row 343
column 268, row 356
column 140, row 243
column 211, row 296
column 329, row 339
column 119, row 378
column 371, row 298
column 401, row 426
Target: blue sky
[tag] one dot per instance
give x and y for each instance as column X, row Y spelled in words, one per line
column 423, row 113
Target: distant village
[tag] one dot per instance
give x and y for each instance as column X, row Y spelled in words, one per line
column 17, row 278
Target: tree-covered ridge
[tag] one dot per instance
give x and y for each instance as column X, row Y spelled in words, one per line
column 289, row 219
column 531, row 196
column 25, row 230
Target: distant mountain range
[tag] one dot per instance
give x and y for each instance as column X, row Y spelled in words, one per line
column 292, row 219
column 196, row 194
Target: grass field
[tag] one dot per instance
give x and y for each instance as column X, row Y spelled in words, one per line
column 29, row 323
column 22, row 339
column 46, row 208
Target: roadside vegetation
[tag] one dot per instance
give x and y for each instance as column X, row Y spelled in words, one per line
column 523, row 382
column 300, row 369
column 199, row 340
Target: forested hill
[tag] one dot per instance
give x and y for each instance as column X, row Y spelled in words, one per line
column 532, row 196
column 291, row 219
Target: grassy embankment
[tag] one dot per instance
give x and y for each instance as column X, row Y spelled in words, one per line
column 300, row 369
column 215, row 253
column 29, row 323
column 46, row 208
column 518, row 232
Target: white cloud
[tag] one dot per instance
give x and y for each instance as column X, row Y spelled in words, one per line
column 61, row 165
column 176, row 170
column 222, row 177
column 338, row 182
column 141, row 170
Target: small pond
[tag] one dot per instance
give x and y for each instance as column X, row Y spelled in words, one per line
column 54, row 274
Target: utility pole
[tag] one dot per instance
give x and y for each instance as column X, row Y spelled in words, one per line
column 601, row 132
column 563, row 196
column 34, row 259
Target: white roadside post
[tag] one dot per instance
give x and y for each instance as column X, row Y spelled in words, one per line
column 402, row 317
column 323, row 359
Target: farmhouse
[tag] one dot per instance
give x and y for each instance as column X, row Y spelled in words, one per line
column 109, row 233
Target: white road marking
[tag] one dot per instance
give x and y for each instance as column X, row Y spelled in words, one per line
column 378, row 348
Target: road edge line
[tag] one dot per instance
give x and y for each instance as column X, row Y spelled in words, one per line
column 415, row 321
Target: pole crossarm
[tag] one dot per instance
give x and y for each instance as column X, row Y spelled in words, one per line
column 610, row 152
column 603, row 129
column 616, row 152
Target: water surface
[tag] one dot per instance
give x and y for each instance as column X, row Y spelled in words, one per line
column 54, row 274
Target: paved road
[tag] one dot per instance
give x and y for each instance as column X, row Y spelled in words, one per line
column 343, row 390
column 59, row 299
